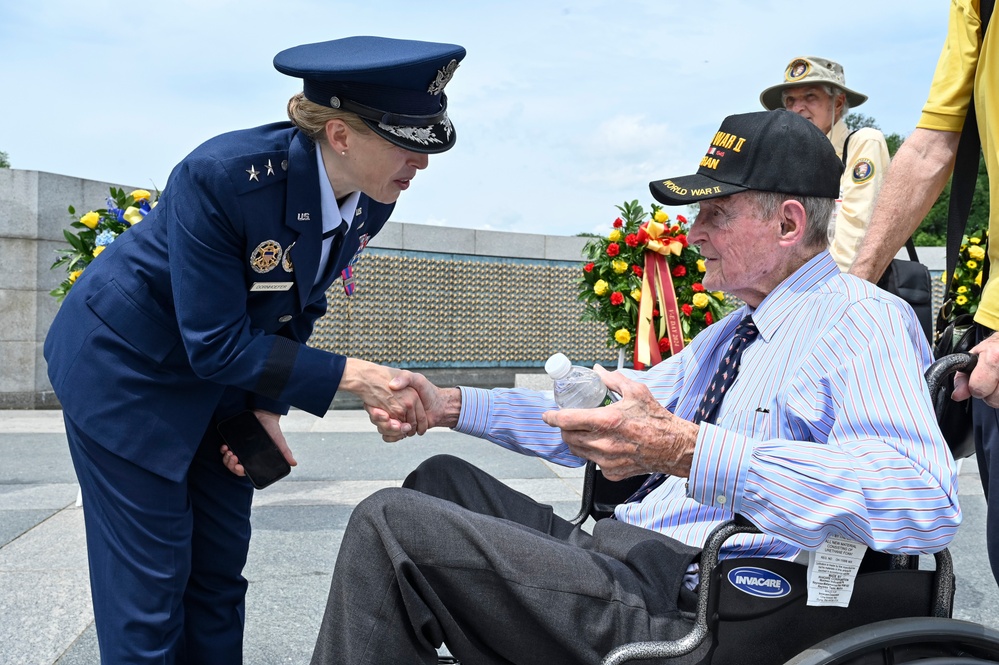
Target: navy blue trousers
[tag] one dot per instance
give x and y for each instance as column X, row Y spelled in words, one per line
column 986, row 423
column 166, row 558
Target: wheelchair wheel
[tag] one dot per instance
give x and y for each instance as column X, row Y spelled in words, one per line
column 929, row 640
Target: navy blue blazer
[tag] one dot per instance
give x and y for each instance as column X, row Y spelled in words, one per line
column 204, row 307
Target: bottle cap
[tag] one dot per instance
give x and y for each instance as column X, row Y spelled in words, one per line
column 558, row 366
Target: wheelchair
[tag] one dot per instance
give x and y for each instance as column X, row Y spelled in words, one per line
column 898, row 613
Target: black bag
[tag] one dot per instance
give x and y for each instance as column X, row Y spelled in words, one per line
column 954, row 418
column 910, row 281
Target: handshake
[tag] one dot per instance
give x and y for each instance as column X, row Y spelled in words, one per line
column 633, row 436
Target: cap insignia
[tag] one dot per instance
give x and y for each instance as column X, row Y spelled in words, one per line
column 797, row 70
column 253, row 173
column 421, row 135
column 266, row 256
column 443, row 76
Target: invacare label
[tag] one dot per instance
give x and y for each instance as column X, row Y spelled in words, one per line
column 759, row 582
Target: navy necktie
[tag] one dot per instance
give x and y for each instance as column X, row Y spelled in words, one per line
column 723, row 379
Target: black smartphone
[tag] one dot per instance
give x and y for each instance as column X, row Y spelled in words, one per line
column 249, row 441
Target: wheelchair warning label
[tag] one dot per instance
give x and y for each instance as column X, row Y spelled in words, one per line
column 831, row 571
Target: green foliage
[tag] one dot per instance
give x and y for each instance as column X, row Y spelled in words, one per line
column 4, row 160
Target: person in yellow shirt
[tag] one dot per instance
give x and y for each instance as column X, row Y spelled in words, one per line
column 815, row 88
column 918, row 174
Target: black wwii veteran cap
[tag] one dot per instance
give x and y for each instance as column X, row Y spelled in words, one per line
column 396, row 86
column 767, row 151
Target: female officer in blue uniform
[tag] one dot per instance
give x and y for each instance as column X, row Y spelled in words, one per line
column 203, row 310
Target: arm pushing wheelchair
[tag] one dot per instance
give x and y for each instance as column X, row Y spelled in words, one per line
column 897, row 613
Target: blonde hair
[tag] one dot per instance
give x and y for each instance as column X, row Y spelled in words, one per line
column 311, row 118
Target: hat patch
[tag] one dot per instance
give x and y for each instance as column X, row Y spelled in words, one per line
column 266, row 256
column 722, row 142
column 797, row 70
column 863, row 170
column 443, row 76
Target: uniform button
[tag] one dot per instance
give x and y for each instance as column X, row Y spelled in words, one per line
column 285, row 319
column 284, row 164
column 721, row 499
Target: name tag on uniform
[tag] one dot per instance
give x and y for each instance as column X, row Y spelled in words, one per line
column 271, row 286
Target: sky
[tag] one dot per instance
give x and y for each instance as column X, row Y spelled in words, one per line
column 563, row 109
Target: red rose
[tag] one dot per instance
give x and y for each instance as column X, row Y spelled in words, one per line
column 618, row 223
column 655, row 312
column 643, row 236
column 679, row 271
column 681, row 219
column 616, row 298
column 631, row 240
column 588, row 267
column 613, row 249
column 682, row 239
column 637, row 270
column 697, row 287
column 687, row 309
column 707, row 318
column 675, row 229
column 664, row 345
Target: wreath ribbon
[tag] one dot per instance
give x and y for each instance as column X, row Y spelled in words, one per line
column 657, row 288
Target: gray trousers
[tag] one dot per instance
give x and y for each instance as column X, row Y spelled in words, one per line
column 455, row 556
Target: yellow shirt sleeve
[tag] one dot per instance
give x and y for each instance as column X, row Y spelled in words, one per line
column 954, row 77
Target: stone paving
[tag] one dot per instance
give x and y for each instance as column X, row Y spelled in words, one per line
column 45, row 612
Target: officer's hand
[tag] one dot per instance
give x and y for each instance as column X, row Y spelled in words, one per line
column 440, row 404
column 983, row 382
column 370, row 382
column 271, row 423
column 633, row 436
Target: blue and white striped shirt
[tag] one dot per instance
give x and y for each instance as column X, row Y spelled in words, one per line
column 827, row 429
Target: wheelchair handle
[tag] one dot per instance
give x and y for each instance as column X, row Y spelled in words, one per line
column 937, row 373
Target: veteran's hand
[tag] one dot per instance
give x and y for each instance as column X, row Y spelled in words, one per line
column 983, row 382
column 272, row 424
column 370, row 382
column 441, row 405
column 633, row 436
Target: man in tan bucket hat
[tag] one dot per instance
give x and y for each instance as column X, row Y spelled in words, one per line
column 815, row 88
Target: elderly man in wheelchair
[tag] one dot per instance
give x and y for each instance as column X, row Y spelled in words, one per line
column 826, row 442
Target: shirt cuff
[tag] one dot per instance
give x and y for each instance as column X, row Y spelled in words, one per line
column 476, row 407
column 942, row 122
column 719, row 468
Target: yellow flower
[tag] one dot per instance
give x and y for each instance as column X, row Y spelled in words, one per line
column 962, row 289
column 961, row 300
column 73, row 276
column 614, row 235
column 636, row 295
column 971, row 265
column 700, row 300
column 978, row 278
column 90, row 220
column 719, row 296
column 700, row 265
column 974, row 241
column 619, row 266
column 600, row 288
column 661, row 217
column 98, row 250
column 132, row 215
column 976, row 252
column 140, row 195
column 622, row 336
column 943, row 277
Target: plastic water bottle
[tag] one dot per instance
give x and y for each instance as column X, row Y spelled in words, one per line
column 576, row 387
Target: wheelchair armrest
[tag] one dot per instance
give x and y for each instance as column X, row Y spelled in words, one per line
column 943, row 596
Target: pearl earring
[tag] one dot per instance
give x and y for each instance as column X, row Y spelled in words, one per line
column 344, row 152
